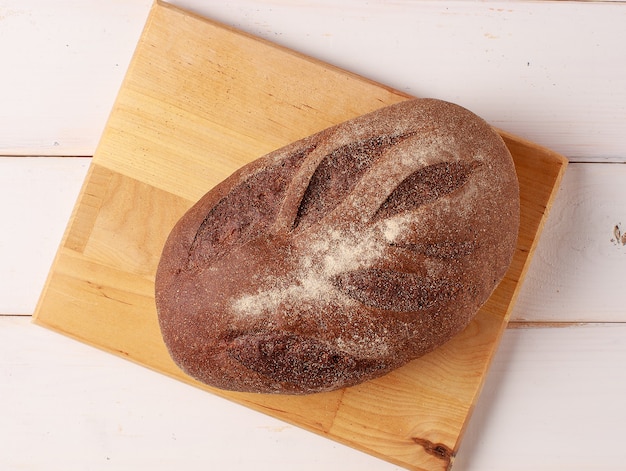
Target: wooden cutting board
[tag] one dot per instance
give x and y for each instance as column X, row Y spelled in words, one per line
column 200, row 100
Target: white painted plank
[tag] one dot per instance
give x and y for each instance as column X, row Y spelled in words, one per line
column 62, row 63
column 577, row 273
column 552, row 72
column 37, row 195
column 67, row 406
column 553, row 400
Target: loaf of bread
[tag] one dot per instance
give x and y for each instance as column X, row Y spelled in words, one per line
column 343, row 256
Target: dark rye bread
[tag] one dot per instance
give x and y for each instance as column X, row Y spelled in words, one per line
column 341, row 257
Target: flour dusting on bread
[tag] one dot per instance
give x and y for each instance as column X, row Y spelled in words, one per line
column 329, row 254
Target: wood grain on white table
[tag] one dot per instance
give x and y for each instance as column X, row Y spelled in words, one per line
column 576, row 274
column 553, row 400
column 552, row 72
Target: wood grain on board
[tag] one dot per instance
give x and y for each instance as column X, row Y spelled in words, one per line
column 200, row 100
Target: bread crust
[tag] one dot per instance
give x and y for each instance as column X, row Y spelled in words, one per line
column 343, row 256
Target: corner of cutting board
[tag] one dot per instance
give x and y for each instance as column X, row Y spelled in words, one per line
column 286, row 50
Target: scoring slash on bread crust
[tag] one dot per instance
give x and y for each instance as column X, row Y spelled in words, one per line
column 343, row 256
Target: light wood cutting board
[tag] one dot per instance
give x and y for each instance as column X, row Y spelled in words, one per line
column 200, row 100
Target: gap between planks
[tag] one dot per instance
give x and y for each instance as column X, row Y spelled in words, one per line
column 510, row 325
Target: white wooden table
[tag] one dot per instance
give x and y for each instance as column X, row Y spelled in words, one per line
column 551, row 72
